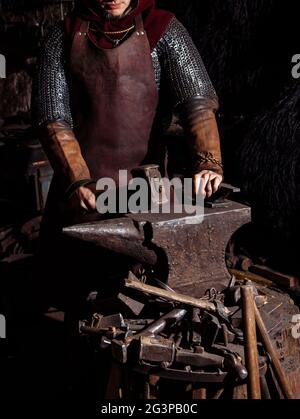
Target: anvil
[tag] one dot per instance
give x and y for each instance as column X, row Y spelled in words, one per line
column 185, row 251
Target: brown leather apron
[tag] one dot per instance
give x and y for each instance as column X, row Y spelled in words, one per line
column 114, row 99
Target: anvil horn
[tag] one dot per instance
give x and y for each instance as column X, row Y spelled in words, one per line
column 120, row 235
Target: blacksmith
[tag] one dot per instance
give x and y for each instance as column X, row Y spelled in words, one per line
column 108, row 81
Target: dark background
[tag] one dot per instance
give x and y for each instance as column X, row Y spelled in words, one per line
column 247, row 47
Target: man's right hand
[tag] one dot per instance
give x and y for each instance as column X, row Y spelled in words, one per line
column 85, row 198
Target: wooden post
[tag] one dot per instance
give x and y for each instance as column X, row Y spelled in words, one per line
column 251, row 353
column 278, row 370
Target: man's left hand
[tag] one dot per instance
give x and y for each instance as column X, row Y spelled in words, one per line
column 207, row 182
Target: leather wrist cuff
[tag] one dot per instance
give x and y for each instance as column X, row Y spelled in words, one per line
column 63, row 152
column 199, row 122
column 206, row 161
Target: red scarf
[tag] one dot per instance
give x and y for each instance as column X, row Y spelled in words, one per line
column 155, row 21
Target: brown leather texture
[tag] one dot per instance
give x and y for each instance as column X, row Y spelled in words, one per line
column 63, row 152
column 204, row 142
column 114, row 99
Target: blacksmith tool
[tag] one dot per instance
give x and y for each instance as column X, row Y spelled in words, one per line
column 278, row 370
column 250, row 343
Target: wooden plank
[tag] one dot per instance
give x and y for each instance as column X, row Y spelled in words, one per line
column 287, row 281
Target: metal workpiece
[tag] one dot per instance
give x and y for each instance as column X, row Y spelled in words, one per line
column 171, row 318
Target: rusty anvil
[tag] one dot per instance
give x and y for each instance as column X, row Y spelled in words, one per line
column 185, row 251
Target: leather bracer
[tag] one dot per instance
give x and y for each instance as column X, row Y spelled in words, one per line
column 63, row 152
column 200, row 125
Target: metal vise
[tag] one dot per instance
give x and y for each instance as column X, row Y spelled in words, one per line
column 187, row 252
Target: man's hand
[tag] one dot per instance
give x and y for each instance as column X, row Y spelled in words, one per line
column 85, row 198
column 207, row 181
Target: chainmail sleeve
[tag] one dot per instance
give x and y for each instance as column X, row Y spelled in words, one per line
column 51, row 100
column 183, row 68
column 193, row 98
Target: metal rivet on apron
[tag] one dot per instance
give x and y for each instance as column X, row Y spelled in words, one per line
column 138, row 34
column 142, row 33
